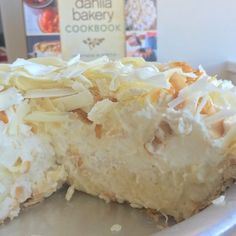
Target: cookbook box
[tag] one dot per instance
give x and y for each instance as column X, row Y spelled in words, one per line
column 91, row 28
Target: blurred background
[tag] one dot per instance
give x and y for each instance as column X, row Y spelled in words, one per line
column 199, row 32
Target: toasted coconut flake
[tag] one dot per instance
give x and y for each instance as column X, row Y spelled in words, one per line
column 96, row 94
column 3, row 117
column 74, row 60
column 112, row 99
column 33, row 68
column 200, row 85
column 26, row 165
column 208, row 108
column 116, row 228
column 18, row 192
column 174, row 103
column 79, row 162
column 115, row 84
column 133, row 61
column 183, row 65
column 39, row 116
column 36, row 198
column 34, row 128
column 230, row 141
column 199, row 88
column 220, row 201
column 220, row 115
column 47, row 93
column 155, row 95
column 201, row 104
column 25, row 84
column 76, row 101
column 178, row 82
column 152, row 77
column 168, row 73
column 82, row 115
column 218, row 129
column 9, row 98
column 54, row 61
column 99, row 111
column 70, row 192
column 98, row 131
column 98, row 62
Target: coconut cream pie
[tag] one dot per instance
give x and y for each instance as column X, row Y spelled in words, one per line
column 159, row 136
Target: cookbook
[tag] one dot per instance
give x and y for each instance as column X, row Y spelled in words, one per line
column 91, row 28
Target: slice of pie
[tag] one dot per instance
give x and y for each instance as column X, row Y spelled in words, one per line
column 159, row 136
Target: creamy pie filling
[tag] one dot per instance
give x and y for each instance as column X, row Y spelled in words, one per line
column 159, row 136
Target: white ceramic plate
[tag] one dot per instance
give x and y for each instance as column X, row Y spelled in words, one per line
column 85, row 215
